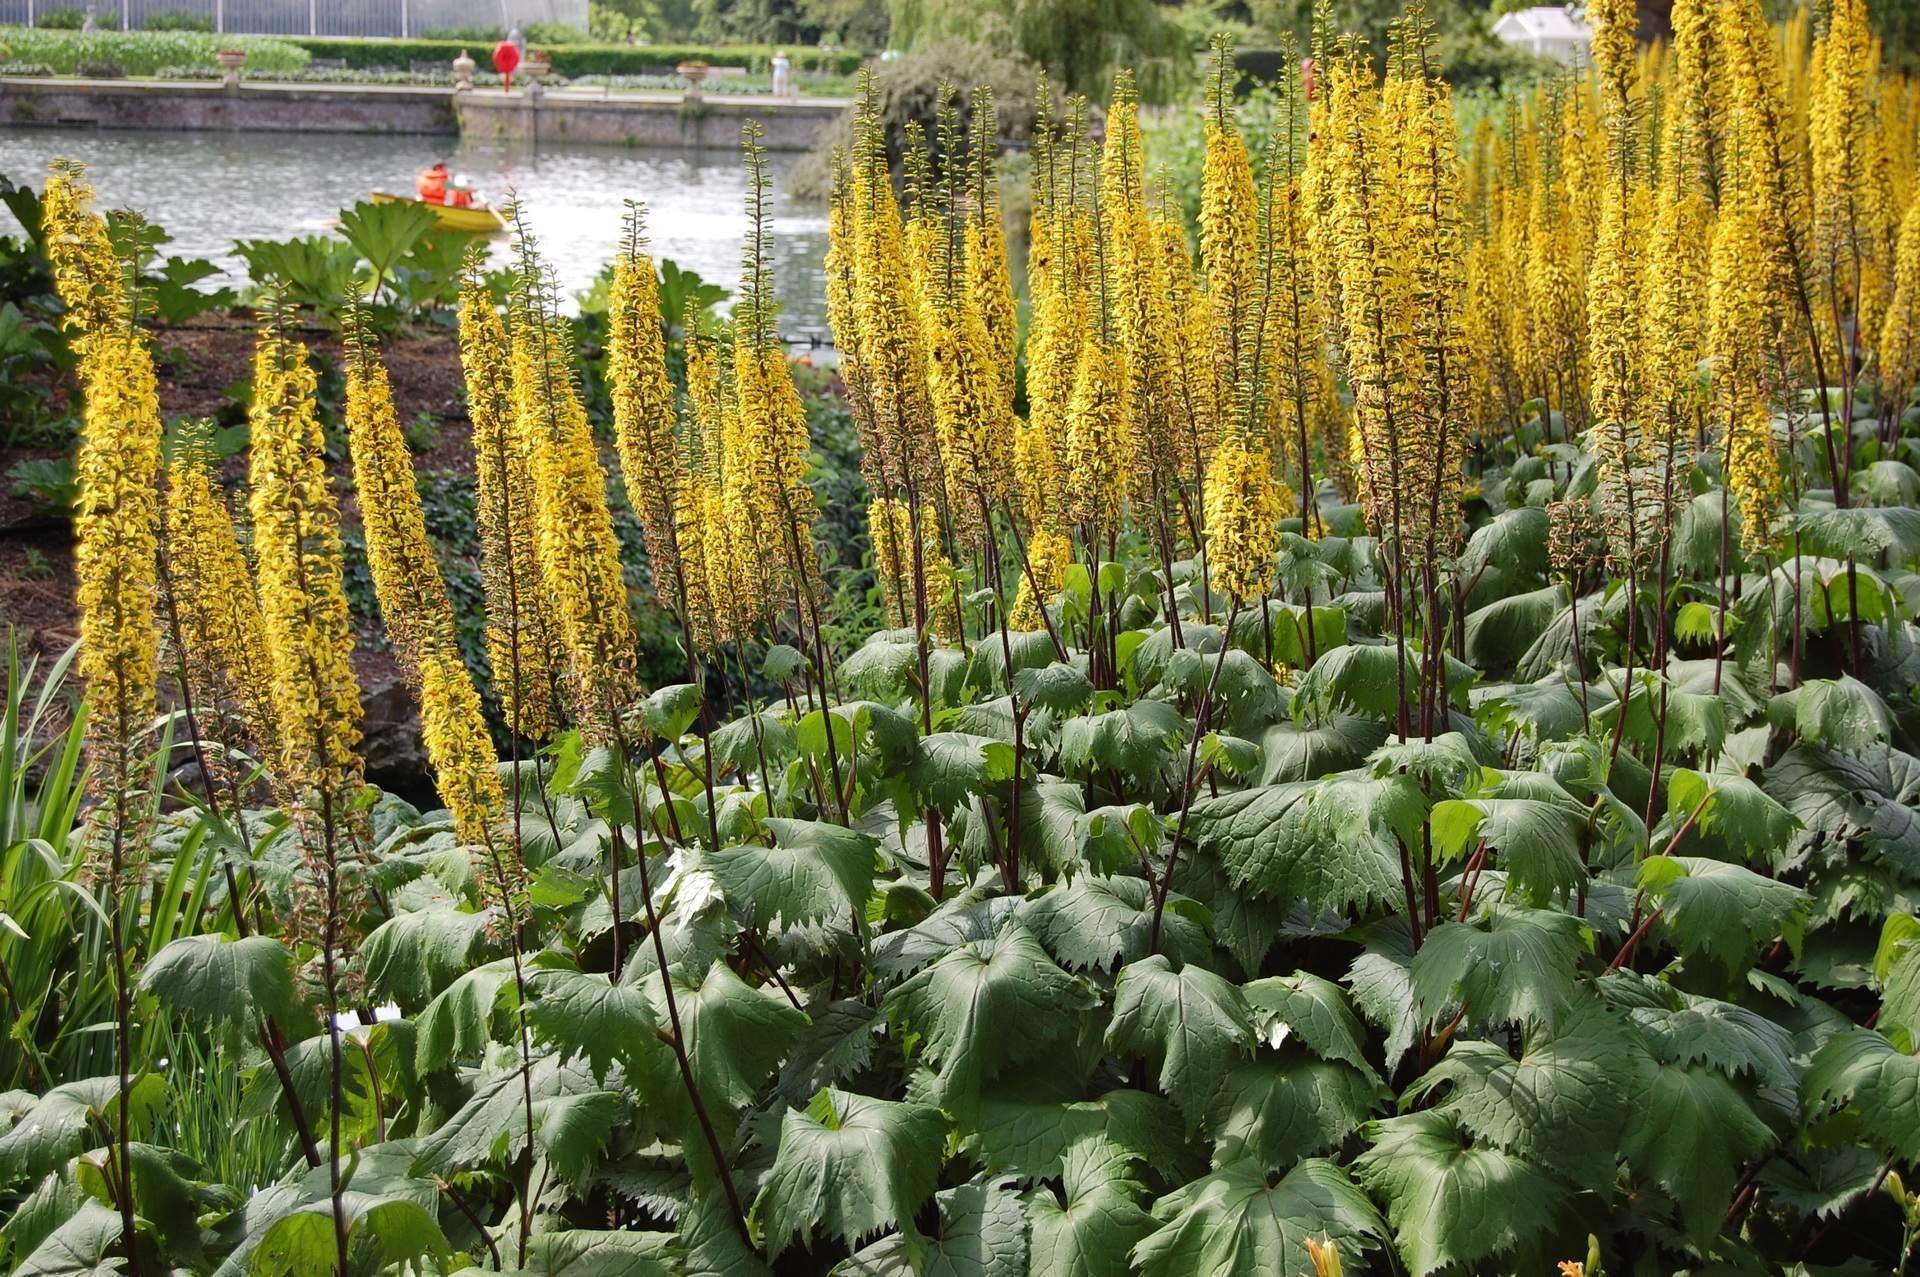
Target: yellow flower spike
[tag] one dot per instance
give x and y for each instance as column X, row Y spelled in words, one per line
column 1229, row 233
column 1244, row 505
column 117, row 504
column 1098, row 420
column 229, row 668
column 522, row 634
column 413, row 596
column 303, row 600
column 1899, row 341
column 578, row 552
column 1049, row 555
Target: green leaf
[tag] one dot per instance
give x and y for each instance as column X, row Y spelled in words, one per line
column 490, row 1128
column 377, row 1175
column 1537, row 841
column 982, row 1232
column 1860, row 1071
column 1135, row 741
column 458, row 1024
column 986, row 1004
column 1841, row 713
column 1089, row 1229
column 1032, row 1140
column 735, row 1035
column 1192, row 1025
column 573, row 1130
column 849, row 1166
column 79, row 1247
column 1518, row 968
column 584, row 1013
column 216, row 980
column 1721, row 911
column 1275, row 1111
column 1690, row 1133
column 1236, row 1222
column 669, row 711
column 589, row 1252
column 1331, row 845
column 738, row 746
column 1094, row 922
column 385, row 1231
column 951, row 767
column 1313, row 1011
column 1733, row 808
column 1294, row 751
column 1451, row 1199
column 1503, row 631
column 70, row 1118
column 1058, row 688
column 413, row 956
column 815, row 872
column 1561, row 1104
column 1357, row 679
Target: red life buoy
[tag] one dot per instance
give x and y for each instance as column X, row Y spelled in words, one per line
column 506, row 56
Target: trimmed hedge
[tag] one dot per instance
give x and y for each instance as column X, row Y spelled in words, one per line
column 146, row 52
column 573, row 60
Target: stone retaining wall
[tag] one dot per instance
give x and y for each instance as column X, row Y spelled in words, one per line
column 559, row 116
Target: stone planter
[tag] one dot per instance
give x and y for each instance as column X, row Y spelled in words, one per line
column 695, row 74
column 231, row 60
column 463, row 67
column 537, row 67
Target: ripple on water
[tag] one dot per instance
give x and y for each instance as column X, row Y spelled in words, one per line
column 209, row 189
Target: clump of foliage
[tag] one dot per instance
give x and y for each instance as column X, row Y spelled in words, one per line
column 146, row 52
column 1387, row 749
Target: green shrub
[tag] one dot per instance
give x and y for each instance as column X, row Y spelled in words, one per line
column 573, row 60
column 177, row 20
column 145, row 52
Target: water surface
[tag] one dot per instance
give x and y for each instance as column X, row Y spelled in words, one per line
column 209, row 189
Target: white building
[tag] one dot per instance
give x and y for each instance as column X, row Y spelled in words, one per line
column 1552, row 31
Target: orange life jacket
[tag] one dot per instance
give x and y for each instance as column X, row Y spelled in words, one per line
column 432, row 184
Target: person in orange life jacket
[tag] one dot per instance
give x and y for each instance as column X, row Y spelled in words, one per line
column 432, row 184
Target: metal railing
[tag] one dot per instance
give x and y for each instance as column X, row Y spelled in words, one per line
column 394, row 19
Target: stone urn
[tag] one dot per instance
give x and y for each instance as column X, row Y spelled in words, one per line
column 537, row 67
column 463, row 67
column 695, row 74
column 231, row 60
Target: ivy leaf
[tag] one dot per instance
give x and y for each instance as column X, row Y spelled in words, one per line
column 1537, row 841
column 1722, row 911
column 849, row 1165
column 985, row 1004
column 216, row 980
column 1089, row 1229
column 584, row 1013
column 412, row 956
column 1237, row 1223
column 1275, row 1111
column 735, row 1035
column 1094, row 922
column 1561, row 1104
column 1191, row 1024
column 814, row 872
column 1517, row 969
column 1452, row 1200
column 69, row 1119
column 1860, row 1071
column 1690, row 1132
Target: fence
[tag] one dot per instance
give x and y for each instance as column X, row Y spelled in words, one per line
column 401, row 19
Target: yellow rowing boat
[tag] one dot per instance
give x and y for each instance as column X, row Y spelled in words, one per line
column 477, row 219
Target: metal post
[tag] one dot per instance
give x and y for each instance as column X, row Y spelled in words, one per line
column 313, row 17
column 126, row 15
column 403, row 19
column 220, row 16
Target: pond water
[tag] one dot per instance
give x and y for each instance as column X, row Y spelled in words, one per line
column 209, row 189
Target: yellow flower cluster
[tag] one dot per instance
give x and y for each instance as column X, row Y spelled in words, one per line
column 117, row 480
column 222, row 633
column 523, row 645
column 413, row 597
column 303, row 600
